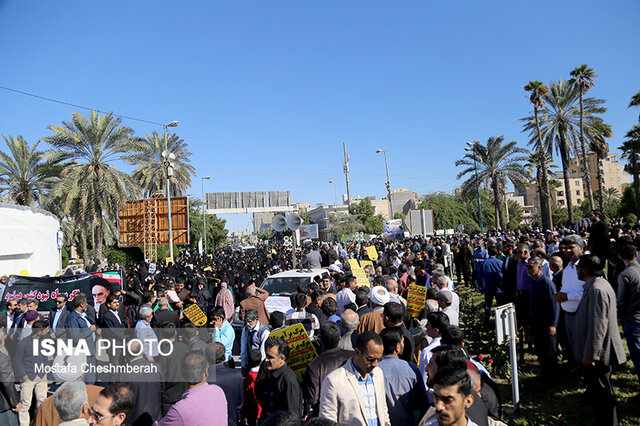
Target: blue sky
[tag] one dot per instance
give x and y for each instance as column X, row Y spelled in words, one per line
column 266, row 92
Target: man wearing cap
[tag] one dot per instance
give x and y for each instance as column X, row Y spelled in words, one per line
column 374, row 321
column 445, row 299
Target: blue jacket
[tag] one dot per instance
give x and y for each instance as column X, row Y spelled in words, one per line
column 492, row 276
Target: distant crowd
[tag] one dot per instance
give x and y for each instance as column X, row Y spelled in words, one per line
column 376, row 363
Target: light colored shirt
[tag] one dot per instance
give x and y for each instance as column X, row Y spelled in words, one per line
column 204, row 405
column 343, row 298
column 56, row 317
column 368, row 391
column 425, row 356
column 226, row 336
column 147, row 336
column 117, row 317
column 572, row 286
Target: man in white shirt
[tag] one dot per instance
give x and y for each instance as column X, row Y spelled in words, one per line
column 436, row 322
column 442, row 282
column 346, row 295
column 569, row 298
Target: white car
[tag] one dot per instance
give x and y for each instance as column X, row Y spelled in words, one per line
column 283, row 284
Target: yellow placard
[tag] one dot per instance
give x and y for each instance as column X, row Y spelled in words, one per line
column 365, row 263
column 372, row 252
column 195, row 315
column 208, row 268
column 358, row 272
column 301, row 350
column 416, row 297
column 167, row 260
column 23, row 273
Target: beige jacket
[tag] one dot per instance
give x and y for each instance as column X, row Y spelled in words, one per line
column 341, row 398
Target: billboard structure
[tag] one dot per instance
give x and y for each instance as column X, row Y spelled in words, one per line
column 420, row 222
column 248, row 202
column 146, row 223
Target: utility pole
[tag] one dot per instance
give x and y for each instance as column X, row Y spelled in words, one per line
column 346, row 170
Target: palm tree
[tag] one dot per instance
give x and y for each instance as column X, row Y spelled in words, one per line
column 538, row 91
column 150, row 171
column 609, row 195
column 599, row 145
column 495, row 164
column 635, row 101
column 559, row 125
column 26, row 174
column 583, row 80
column 631, row 151
column 91, row 183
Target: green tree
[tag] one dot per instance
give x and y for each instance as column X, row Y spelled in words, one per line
column 538, row 91
column 631, row 151
column 345, row 224
column 448, row 212
column 91, row 183
column 559, row 125
column 26, row 174
column 627, row 202
column 364, row 212
column 150, row 174
column 582, row 79
column 515, row 215
column 216, row 227
column 495, row 164
column 306, row 220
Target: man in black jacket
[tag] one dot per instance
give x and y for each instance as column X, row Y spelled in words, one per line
column 277, row 387
column 9, row 400
column 329, row 360
column 171, row 368
column 163, row 315
column 229, row 379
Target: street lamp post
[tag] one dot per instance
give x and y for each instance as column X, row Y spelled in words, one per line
column 471, row 147
column 388, row 183
column 204, row 218
column 335, row 192
column 168, row 158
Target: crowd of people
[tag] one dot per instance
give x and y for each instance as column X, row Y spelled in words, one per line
column 376, row 363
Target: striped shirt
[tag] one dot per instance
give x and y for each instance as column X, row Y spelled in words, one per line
column 308, row 320
column 368, row 391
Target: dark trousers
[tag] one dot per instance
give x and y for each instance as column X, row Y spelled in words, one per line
column 599, row 394
column 546, row 348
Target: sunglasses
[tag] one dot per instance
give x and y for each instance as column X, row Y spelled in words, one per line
column 95, row 415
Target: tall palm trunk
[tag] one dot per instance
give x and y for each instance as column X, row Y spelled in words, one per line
column 600, row 177
column 497, row 197
column 565, row 174
column 83, row 245
column 99, row 236
column 543, row 186
column 585, row 164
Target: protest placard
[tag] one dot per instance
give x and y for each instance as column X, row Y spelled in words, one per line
column 195, row 315
column 358, row 272
column 365, row 263
column 301, row 350
column 372, row 252
column 416, row 297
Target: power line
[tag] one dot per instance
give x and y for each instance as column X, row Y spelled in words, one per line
column 78, row 106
